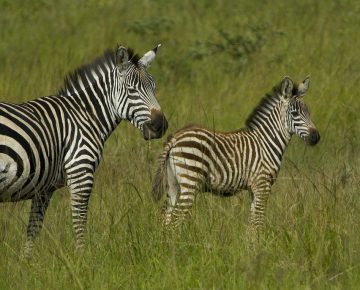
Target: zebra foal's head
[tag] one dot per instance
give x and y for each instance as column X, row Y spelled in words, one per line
column 135, row 93
column 297, row 115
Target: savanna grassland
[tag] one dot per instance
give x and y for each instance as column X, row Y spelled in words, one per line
column 217, row 60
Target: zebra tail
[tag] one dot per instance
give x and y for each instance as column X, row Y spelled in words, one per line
column 157, row 187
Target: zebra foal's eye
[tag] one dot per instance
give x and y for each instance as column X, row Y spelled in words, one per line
column 294, row 113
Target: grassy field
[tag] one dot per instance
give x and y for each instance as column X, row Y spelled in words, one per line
column 217, row 60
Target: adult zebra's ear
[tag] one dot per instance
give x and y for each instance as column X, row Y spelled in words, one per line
column 303, row 87
column 286, row 87
column 122, row 58
column 148, row 57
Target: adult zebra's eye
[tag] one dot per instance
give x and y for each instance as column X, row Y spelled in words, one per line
column 294, row 113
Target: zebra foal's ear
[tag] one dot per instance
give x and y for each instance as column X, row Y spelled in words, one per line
column 287, row 87
column 122, row 58
column 303, row 87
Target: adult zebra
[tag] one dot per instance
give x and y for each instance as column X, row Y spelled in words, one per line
column 54, row 141
column 224, row 163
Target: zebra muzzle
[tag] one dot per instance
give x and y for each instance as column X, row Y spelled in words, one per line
column 156, row 127
column 313, row 137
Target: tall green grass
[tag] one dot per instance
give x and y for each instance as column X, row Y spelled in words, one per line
column 217, row 60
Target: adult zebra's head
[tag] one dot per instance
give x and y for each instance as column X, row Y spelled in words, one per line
column 297, row 115
column 135, row 93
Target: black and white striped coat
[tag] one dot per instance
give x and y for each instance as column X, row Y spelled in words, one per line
column 54, row 141
column 196, row 158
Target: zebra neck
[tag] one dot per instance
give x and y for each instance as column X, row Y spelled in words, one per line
column 95, row 109
column 274, row 137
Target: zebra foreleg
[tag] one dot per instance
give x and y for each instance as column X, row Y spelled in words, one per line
column 258, row 207
column 39, row 205
column 80, row 190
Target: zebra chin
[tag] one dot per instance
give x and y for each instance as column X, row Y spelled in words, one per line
column 156, row 127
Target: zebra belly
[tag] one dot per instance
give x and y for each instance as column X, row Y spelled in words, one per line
column 226, row 185
column 224, row 190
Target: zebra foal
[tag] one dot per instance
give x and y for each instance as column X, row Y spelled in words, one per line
column 196, row 159
column 57, row 141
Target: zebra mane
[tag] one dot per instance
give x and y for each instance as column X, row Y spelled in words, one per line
column 73, row 79
column 267, row 104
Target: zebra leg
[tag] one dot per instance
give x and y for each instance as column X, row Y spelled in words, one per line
column 258, row 206
column 80, row 185
column 39, row 205
column 185, row 200
column 185, row 177
column 173, row 190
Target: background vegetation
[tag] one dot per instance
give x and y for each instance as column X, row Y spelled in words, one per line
column 218, row 59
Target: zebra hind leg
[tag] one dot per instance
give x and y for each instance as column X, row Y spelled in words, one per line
column 185, row 201
column 39, row 205
column 173, row 190
column 183, row 182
